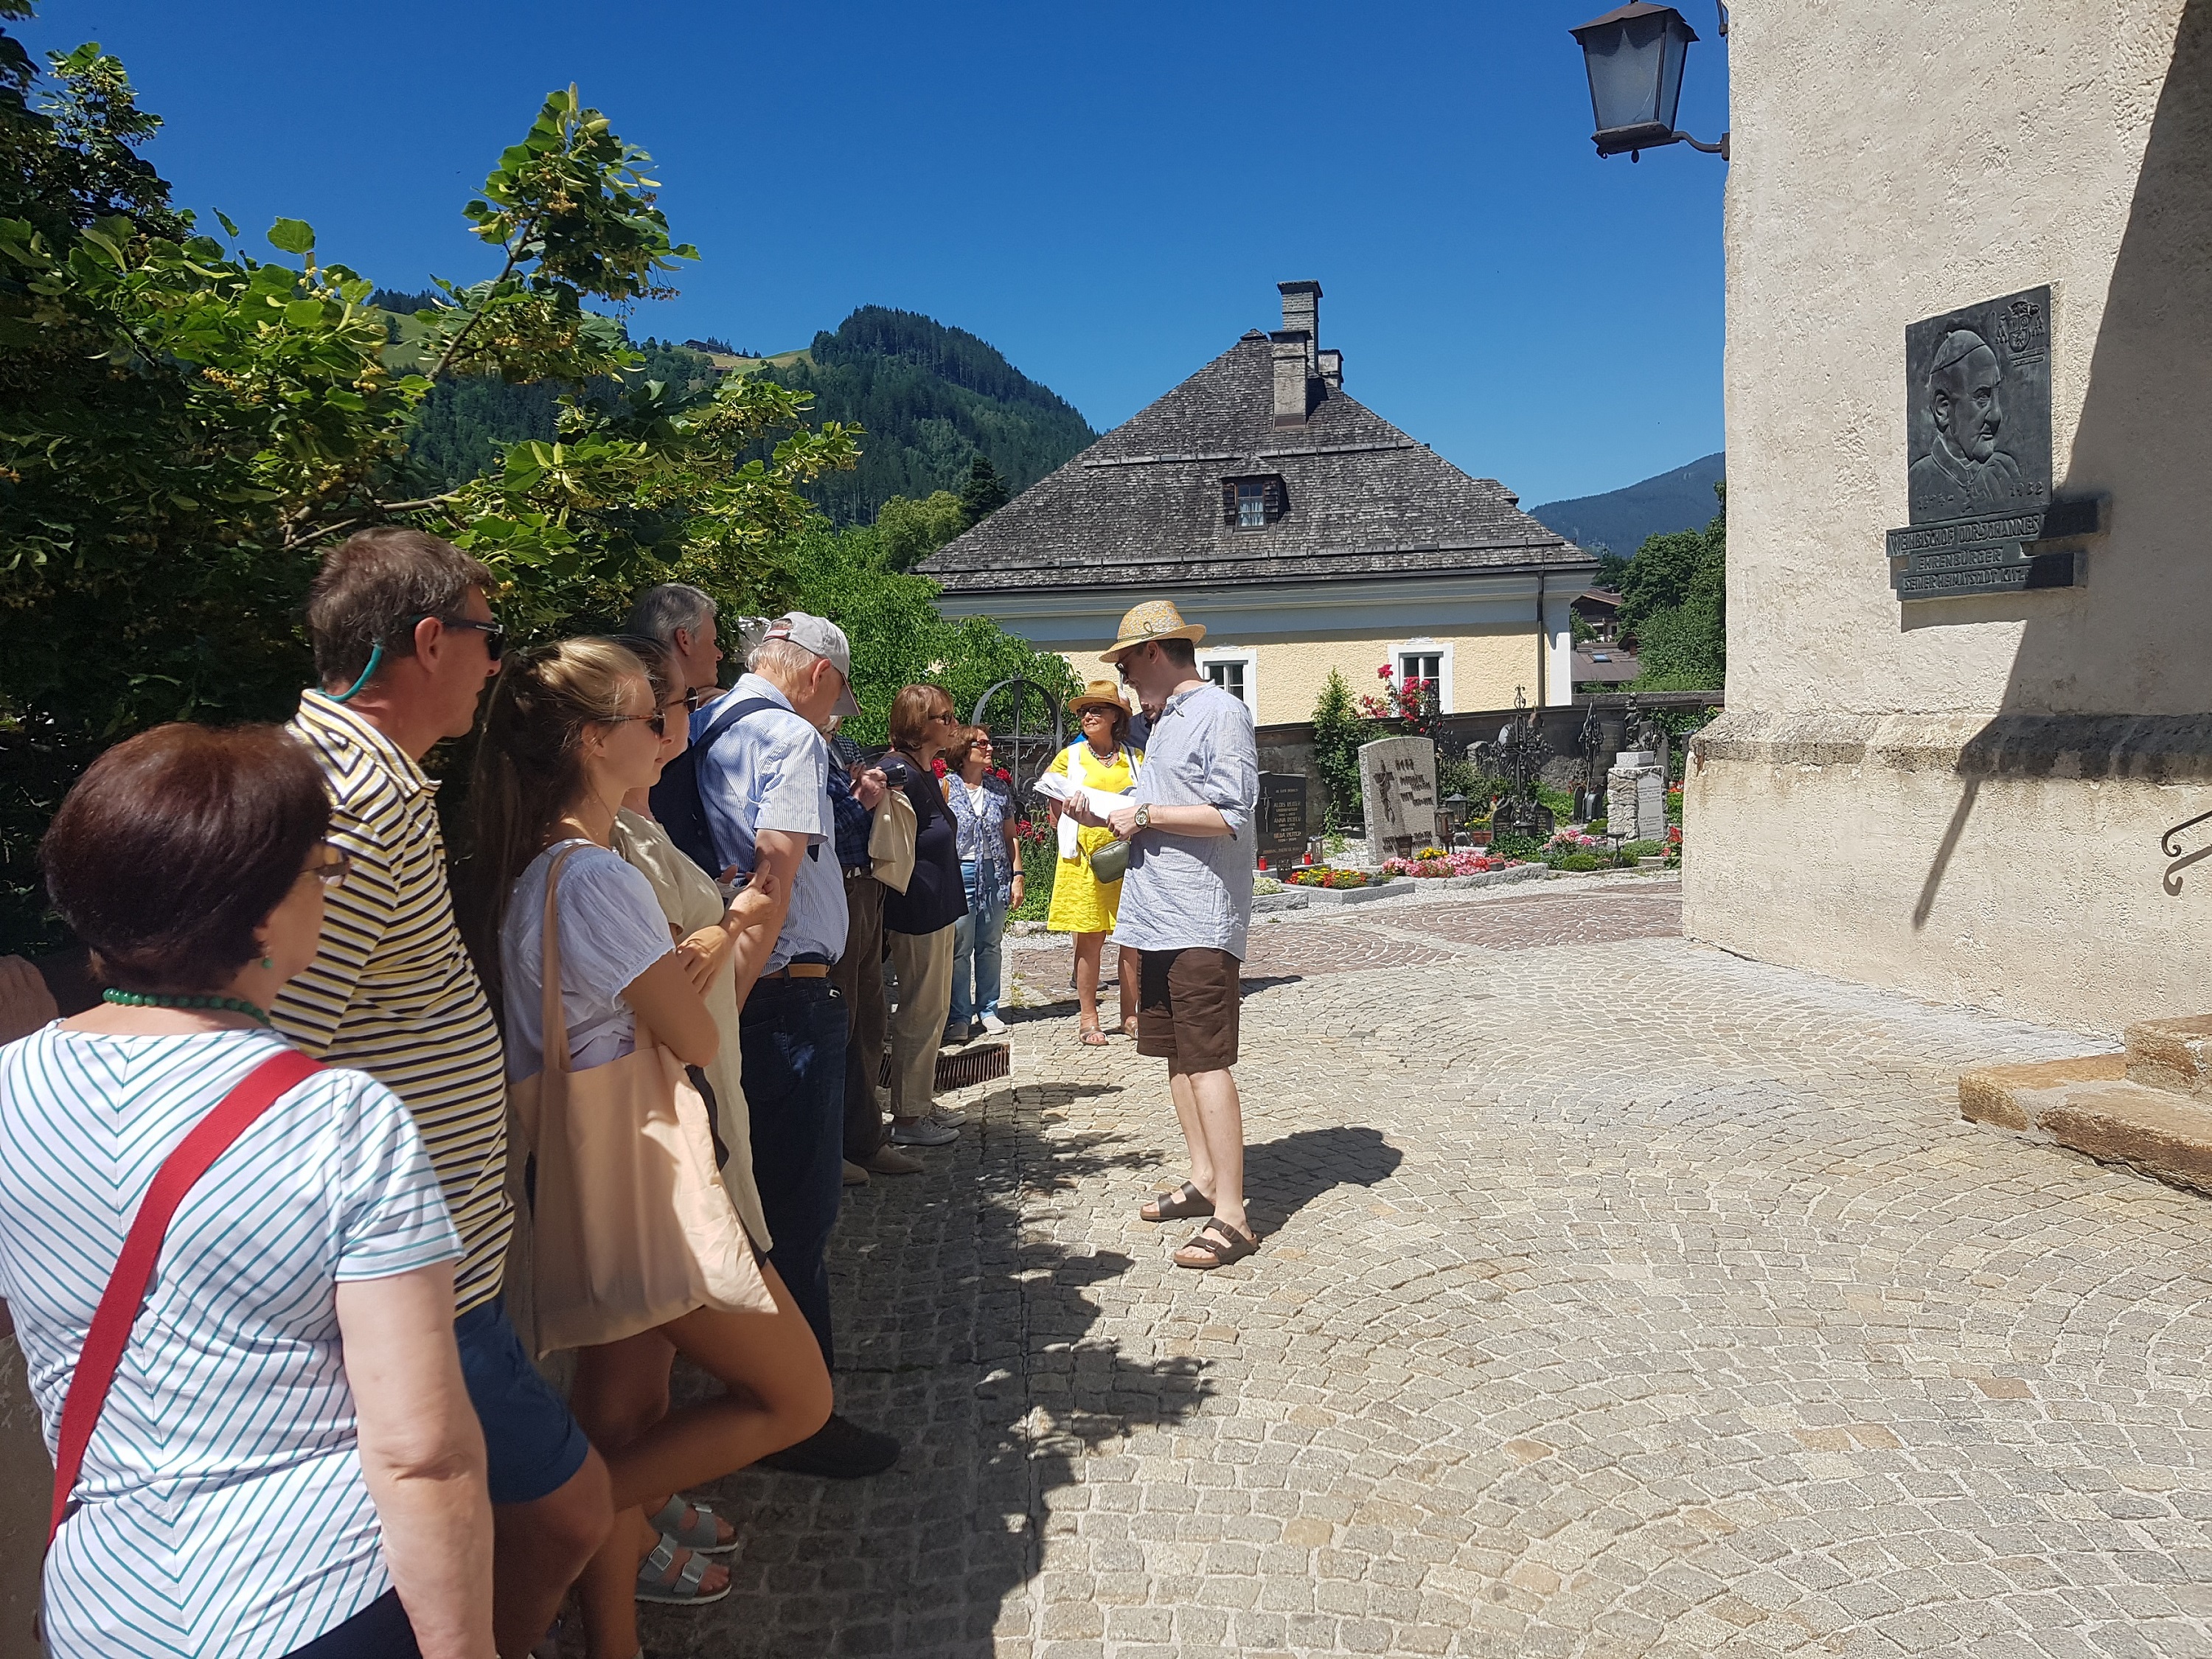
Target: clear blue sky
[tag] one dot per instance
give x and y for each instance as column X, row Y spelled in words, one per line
column 1108, row 194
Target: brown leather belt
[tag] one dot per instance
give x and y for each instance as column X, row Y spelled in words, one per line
column 800, row 970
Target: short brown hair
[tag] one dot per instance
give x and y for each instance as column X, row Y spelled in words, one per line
column 964, row 740
column 175, row 846
column 373, row 585
column 911, row 711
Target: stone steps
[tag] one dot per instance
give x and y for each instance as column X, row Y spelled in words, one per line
column 2149, row 1108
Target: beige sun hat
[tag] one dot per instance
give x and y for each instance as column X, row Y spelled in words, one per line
column 1099, row 694
column 1155, row 619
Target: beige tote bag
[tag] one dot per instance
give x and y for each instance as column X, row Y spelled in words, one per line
column 631, row 1226
column 891, row 841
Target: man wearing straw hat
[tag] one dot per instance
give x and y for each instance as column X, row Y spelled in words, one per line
column 1186, row 904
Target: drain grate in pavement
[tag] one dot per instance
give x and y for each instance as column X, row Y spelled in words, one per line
column 979, row 1062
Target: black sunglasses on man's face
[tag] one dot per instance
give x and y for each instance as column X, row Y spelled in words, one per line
column 494, row 635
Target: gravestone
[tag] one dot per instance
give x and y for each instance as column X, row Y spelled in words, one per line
column 1398, row 792
column 1636, row 797
column 1282, row 818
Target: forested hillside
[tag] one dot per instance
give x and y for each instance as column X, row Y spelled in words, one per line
column 932, row 398
column 458, row 425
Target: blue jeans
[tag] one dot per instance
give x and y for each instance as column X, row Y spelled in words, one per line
column 975, row 969
column 792, row 1034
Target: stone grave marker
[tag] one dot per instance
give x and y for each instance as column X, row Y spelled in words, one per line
column 1282, row 818
column 1636, row 797
column 1398, row 792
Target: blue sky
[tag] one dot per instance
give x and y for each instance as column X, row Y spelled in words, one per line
column 1108, row 194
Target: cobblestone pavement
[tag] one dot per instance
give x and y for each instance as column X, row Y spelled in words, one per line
column 1617, row 1298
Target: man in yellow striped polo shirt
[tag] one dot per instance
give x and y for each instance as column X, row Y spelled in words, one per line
column 404, row 639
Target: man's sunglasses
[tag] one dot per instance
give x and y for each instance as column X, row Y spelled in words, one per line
column 494, row 635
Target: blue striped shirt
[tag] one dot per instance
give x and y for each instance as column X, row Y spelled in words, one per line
column 221, row 1506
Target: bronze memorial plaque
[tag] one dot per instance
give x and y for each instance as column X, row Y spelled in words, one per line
column 1978, row 431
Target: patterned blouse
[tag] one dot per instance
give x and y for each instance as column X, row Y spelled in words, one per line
column 982, row 816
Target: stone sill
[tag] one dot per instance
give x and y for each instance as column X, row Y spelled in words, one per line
column 2145, row 747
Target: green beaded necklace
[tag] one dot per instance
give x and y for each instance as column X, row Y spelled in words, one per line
column 155, row 999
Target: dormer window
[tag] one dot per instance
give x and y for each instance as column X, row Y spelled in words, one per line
column 1253, row 503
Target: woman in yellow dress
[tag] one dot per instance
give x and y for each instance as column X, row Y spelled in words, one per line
column 1081, row 904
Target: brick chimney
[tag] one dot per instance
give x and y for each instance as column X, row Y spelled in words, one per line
column 1332, row 369
column 1293, row 382
column 1302, row 310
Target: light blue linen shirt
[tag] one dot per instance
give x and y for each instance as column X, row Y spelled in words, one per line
column 1195, row 890
column 771, row 771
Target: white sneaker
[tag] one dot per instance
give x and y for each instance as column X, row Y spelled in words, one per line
column 923, row 1131
column 951, row 1116
column 994, row 1025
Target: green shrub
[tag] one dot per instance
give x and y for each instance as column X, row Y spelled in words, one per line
column 1040, row 865
column 1515, row 846
column 1642, row 849
column 1338, row 733
column 1596, row 827
column 1582, row 861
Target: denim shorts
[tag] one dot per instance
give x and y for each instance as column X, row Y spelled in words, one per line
column 532, row 1446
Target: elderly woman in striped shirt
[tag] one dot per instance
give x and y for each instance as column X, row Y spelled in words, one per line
column 286, row 1461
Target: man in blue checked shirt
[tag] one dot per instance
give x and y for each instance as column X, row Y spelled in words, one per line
column 855, row 791
column 764, row 783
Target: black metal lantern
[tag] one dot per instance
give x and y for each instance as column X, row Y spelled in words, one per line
column 1634, row 57
column 1454, row 805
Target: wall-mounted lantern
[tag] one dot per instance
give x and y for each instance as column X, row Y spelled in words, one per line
column 1634, row 57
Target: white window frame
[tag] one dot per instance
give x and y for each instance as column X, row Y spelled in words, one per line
column 1440, row 649
column 1246, row 655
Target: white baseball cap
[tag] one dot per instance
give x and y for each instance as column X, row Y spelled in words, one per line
column 825, row 639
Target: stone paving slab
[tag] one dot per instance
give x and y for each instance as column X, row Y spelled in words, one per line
column 1620, row 1299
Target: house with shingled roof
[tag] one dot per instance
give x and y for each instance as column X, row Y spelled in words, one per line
column 1302, row 528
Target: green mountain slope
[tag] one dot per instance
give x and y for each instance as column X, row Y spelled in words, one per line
column 1619, row 520
column 930, row 398
column 933, row 398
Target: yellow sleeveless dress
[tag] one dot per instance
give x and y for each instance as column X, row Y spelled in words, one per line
column 1080, row 902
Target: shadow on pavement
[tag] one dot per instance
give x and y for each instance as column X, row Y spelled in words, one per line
column 964, row 1326
column 1282, row 1177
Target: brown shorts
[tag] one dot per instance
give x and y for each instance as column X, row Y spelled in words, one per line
column 1187, row 1008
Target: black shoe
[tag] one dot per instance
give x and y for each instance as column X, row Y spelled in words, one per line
column 840, row 1449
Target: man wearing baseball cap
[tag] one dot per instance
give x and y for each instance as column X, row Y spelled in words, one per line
column 763, row 782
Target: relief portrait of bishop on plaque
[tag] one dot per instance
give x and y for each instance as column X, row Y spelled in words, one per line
column 1978, row 394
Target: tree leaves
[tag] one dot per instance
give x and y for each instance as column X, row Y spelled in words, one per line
column 188, row 427
column 292, row 236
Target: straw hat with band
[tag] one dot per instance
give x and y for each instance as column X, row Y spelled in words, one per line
column 1155, row 619
column 1099, row 694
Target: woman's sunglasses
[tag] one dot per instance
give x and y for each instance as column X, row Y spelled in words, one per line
column 656, row 723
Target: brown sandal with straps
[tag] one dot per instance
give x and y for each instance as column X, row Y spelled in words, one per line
column 1219, row 1244
column 1178, row 1206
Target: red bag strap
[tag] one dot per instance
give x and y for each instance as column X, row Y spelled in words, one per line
column 180, row 1171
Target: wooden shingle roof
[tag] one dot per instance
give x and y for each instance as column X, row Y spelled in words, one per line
column 1143, row 505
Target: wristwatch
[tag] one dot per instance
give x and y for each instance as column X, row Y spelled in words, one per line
column 1144, row 815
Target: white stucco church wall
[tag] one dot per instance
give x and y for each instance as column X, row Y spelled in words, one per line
column 1964, row 798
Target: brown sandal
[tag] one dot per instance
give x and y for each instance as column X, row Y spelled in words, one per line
column 1224, row 1246
column 1177, row 1206
column 1092, row 1037
column 1129, row 1026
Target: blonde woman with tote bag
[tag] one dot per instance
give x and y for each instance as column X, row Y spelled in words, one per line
column 602, row 1015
